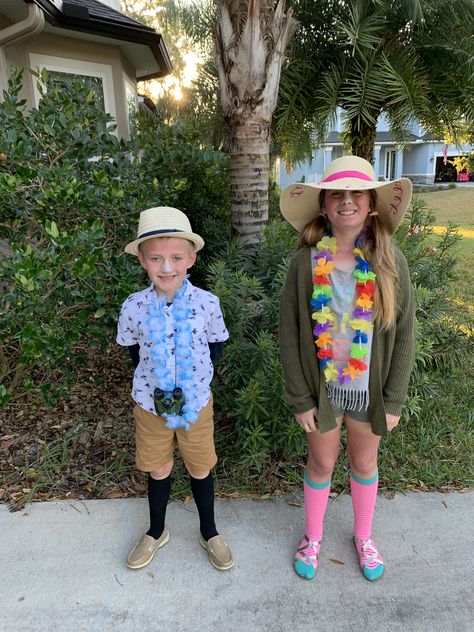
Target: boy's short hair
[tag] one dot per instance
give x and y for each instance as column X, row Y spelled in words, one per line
column 191, row 244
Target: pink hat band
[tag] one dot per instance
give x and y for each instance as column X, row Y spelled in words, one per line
column 339, row 175
column 300, row 203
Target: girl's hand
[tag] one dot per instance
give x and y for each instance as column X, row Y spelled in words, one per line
column 307, row 420
column 392, row 421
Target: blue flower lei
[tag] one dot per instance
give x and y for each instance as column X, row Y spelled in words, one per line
column 160, row 354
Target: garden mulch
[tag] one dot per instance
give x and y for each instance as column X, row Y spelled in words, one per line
column 82, row 447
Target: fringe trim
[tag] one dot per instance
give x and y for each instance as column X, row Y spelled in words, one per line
column 348, row 399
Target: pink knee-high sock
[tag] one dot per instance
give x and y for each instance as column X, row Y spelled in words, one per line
column 315, row 502
column 364, row 495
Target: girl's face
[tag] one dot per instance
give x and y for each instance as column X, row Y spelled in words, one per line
column 347, row 209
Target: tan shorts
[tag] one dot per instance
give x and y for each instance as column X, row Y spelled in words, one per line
column 155, row 443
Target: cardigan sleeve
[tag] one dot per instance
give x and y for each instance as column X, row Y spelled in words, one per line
column 396, row 386
column 296, row 392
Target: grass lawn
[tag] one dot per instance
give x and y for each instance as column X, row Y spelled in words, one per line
column 457, row 206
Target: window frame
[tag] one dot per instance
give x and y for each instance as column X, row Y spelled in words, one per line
column 390, row 164
column 130, row 87
column 77, row 67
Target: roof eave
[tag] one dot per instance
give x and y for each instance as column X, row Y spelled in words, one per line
column 144, row 36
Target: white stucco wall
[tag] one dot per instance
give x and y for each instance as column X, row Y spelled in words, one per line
column 115, row 4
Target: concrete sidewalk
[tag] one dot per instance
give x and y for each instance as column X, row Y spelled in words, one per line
column 62, row 568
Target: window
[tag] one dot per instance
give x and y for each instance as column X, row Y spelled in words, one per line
column 132, row 100
column 390, row 165
column 59, row 68
column 97, row 85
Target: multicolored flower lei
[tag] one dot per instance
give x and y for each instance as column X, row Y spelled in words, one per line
column 362, row 315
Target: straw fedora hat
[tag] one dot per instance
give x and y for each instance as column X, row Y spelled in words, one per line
column 163, row 221
column 299, row 202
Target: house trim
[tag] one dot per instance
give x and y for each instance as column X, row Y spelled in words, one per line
column 70, row 16
column 77, row 67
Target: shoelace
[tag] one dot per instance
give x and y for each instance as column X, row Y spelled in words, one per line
column 368, row 553
column 309, row 558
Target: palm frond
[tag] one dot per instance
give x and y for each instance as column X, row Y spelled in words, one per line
column 361, row 28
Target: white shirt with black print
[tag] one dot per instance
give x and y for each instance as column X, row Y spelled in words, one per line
column 207, row 325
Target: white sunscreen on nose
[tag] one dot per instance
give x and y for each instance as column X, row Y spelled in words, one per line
column 167, row 266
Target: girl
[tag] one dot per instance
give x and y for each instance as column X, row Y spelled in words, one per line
column 347, row 338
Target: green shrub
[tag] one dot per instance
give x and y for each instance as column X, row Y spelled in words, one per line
column 250, row 387
column 442, row 343
column 173, row 169
column 70, row 196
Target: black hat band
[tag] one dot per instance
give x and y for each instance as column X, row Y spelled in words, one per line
column 158, row 232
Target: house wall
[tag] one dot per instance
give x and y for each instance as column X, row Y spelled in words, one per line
column 78, row 50
column 303, row 170
column 382, row 124
column 418, row 162
column 115, row 4
column 309, row 172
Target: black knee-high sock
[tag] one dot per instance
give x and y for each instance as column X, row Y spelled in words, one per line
column 158, row 496
column 203, row 493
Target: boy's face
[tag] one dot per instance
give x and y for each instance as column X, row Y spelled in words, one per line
column 166, row 260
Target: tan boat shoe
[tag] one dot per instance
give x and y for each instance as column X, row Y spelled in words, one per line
column 219, row 553
column 144, row 551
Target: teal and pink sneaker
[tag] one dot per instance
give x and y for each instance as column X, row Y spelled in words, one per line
column 371, row 562
column 307, row 558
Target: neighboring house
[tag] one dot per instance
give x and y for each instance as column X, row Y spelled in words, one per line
column 84, row 38
column 421, row 158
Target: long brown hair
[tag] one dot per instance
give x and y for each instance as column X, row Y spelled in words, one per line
column 378, row 248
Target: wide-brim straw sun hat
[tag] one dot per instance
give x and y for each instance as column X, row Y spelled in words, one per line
column 299, row 202
column 163, row 221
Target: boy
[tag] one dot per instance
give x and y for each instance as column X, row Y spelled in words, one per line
column 173, row 330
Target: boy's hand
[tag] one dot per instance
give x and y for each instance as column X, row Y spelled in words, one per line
column 307, row 420
column 392, row 421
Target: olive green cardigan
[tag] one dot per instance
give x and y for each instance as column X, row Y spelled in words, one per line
column 391, row 356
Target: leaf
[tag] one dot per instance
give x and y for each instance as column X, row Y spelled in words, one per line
column 99, row 313
column 337, row 562
column 187, row 500
column 115, row 494
column 54, row 232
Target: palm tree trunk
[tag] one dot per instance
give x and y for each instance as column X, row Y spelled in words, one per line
column 251, row 37
column 249, row 149
column 362, row 138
